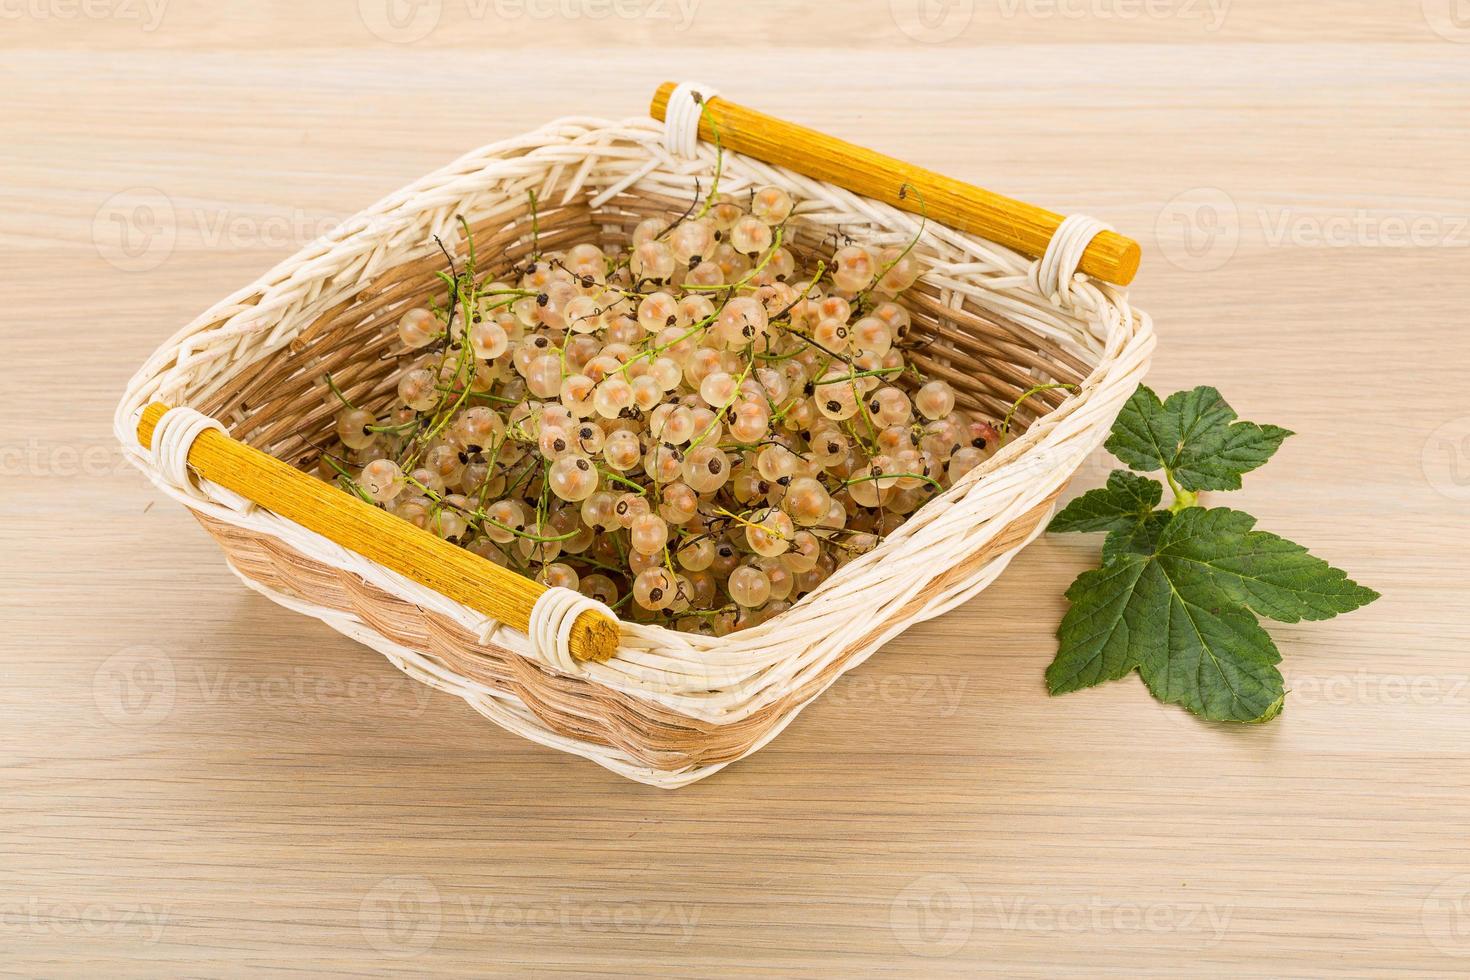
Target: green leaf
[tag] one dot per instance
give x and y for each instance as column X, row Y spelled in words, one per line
column 1219, row 664
column 1144, row 436
column 1122, row 505
column 1274, row 577
column 1174, row 601
column 1108, row 625
column 1194, row 436
column 1140, row 540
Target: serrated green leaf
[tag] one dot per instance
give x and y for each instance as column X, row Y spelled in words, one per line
column 1218, row 662
column 1174, row 601
column 1217, row 459
column 1277, row 578
column 1140, row 540
column 1144, row 435
column 1193, row 435
column 1121, row 505
column 1103, row 631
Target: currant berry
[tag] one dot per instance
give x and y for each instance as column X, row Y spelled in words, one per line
column 678, row 503
column 690, row 241
column 743, row 320
column 489, row 339
column 717, row 389
column 653, row 260
column 448, row 519
column 706, row 469
column 554, row 442
column 622, row 450
column 750, row 235
column 558, row 575
column 600, row 587
column 771, row 534
column 659, row 310
column 417, row 389
column 934, row 400
column 417, row 328
column 573, row 478
column 749, row 586
column 612, row 396
column 629, row 507
column 836, row 398
column 853, row 268
column 352, row 428
column 477, row 428
column 697, row 555
column 654, row 588
column 383, row 480
column 771, row 205
column 807, row 501
column 443, row 460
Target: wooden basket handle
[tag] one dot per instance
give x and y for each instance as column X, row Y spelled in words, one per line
column 1024, row 227
column 379, row 536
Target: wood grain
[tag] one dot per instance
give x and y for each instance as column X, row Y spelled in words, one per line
column 198, row 782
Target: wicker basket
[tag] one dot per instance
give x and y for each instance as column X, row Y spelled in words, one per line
column 668, row 708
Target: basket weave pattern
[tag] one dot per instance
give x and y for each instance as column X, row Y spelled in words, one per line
column 670, row 707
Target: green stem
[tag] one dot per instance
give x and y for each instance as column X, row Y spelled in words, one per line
column 1005, row 426
column 394, row 429
column 895, row 476
column 853, row 376
column 720, row 412
column 608, row 474
column 338, row 392
column 903, row 191
column 350, row 483
column 714, row 187
column 1183, row 498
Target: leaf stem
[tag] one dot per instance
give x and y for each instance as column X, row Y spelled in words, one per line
column 1183, row 498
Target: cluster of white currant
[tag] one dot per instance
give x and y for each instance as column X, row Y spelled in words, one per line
column 695, row 430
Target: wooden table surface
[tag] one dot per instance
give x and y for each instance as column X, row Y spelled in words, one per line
column 194, row 781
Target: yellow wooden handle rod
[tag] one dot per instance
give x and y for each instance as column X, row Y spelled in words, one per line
column 1024, row 227
column 380, row 536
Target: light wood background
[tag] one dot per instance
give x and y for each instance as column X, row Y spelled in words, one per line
column 194, row 781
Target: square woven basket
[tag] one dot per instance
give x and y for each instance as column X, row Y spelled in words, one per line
column 666, row 708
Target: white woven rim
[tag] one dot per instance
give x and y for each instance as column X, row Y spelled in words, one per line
column 706, row 678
